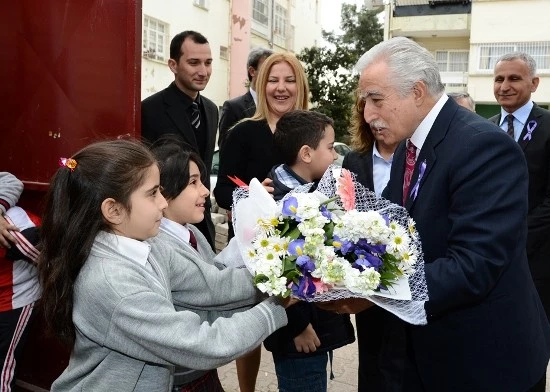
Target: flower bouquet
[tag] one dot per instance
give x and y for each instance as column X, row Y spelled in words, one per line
column 339, row 241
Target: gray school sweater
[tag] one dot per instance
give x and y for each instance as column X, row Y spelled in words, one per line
column 129, row 335
column 10, row 190
column 234, row 287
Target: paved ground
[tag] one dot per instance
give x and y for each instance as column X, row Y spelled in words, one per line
column 345, row 372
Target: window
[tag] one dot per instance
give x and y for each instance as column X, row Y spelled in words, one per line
column 281, row 16
column 260, row 11
column 154, row 41
column 452, row 61
column 489, row 53
column 201, row 3
column 224, row 53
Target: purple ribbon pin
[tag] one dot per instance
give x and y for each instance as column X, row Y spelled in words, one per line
column 530, row 128
column 414, row 191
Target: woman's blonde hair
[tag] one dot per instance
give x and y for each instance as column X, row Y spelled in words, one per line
column 361, row 134
column 302, row 87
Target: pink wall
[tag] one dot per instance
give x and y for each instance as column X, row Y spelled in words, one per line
column 241, row 19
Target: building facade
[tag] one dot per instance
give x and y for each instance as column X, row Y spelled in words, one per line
column 467, row 37
column 232, row 28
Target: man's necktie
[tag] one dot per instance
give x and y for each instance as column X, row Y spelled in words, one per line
column 510, row 130
column 195, row 115
column 410, row 160
column 193, row 240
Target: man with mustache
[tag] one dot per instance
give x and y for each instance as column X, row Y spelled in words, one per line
column 371, row 160
column 180, row 109
column 515, row 78
column 464, row 182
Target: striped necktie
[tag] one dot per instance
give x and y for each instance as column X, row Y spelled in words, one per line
column 410, row 161
column 510, row 130
column 195, row 115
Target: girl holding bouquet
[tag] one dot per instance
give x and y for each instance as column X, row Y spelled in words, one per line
column 181, row 175
column 111, row 295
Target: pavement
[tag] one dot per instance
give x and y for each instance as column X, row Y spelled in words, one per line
column 344, row 368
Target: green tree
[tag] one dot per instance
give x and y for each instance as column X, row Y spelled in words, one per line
column 329, row 68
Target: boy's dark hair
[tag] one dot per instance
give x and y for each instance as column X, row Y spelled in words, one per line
column 297, row 129
column 175, row 44
column 72, row 219
column 173, row 155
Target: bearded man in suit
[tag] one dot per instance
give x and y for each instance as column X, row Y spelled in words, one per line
column 181, row 110
column 515, row 78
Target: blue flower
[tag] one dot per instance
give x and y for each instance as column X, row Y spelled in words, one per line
column 325, row 212
column 290, row 206
column 305, row 288
column 365, row 259
column 378, row 249
column 305, row 263
column 296, row 247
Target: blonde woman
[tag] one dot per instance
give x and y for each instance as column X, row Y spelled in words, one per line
column 248, row 151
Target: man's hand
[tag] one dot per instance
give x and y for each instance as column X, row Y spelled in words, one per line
column 267, row 185
column 307, row 341
column 5, row 236
column 348, row 305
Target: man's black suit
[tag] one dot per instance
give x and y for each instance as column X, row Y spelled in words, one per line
column 380, row 336
column 486, row 327
column 165, row 113
column 234, row 110
column 537, row 154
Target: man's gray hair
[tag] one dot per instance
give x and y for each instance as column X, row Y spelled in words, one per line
column 526, row 58
column 408, row 63
column 457, row 96
column 255, row 55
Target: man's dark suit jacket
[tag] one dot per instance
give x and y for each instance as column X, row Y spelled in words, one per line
column 234, row 110
column 376, row 328
column 486, row 327
column 537, row 154
column 164, row 113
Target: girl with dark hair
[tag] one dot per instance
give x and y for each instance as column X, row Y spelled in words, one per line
column 182, row 173
column 112, row 295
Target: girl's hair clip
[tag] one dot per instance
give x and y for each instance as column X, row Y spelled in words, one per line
column 69, row 163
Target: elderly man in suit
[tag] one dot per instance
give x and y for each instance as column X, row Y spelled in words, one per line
column 181, row 110
column 515, row 78
column 464, row 182
column 371, row 160
column 243, row 106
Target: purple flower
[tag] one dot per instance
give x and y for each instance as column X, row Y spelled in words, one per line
column 305, row 263
column 290, row 206
column 325, row 212
column 344, row 246
column 305, row 288
column 365, row 260
column 296, row 247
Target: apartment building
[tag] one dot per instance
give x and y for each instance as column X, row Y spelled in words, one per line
column 232, row 27
column 467, row 37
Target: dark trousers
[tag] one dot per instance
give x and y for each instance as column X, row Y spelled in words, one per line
column 543, row 289
column 382, row 346
column 13, row 333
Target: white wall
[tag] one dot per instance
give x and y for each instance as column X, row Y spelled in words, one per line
column 183, row 15
column 215, row 25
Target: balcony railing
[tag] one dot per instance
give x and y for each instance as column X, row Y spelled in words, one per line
column 430, row 7
column 432, row 3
